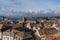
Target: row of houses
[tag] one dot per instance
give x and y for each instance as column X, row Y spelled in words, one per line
column 8, row 33
column 29, row 29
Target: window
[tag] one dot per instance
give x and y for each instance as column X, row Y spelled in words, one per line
column 0, row 30
column 6, row 38
column 15, row 38
column 18, row 38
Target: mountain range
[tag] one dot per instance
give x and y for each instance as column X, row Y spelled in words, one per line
column 29, row 13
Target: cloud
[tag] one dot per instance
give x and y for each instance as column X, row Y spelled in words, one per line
column 29, row 13
column 58, row 7
column 15, row 2
column 29, row 7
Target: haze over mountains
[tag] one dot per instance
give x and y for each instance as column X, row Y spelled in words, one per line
column 30, row 13
column 29, row 8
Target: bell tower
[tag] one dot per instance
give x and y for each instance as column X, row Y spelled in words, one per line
column 1, row 25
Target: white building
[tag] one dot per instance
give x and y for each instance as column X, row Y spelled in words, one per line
column 14, row 35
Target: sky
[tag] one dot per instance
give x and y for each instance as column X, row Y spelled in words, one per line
column 13, row 7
